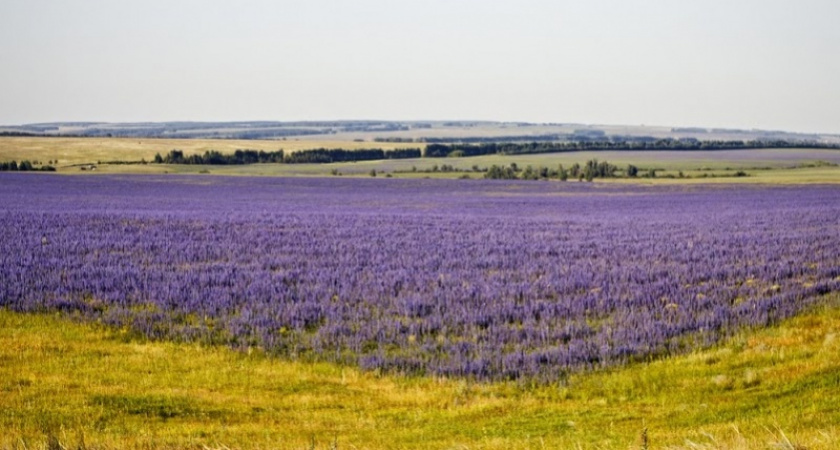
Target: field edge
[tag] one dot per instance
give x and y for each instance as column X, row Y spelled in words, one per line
column 68, row 381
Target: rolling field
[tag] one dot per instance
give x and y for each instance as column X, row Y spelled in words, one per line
column 721, row 175
column 376, row 313
column 171, row 311
column 787, row 166
column 782, row 166
column 470, row 278
column 75, row 151
column 87, row 386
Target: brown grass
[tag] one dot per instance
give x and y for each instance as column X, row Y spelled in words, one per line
column 71, row 151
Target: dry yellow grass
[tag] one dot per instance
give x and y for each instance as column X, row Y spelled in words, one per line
column 70, row 151
column 774, row 388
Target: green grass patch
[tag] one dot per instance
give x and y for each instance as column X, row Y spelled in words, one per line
column 403, row 169
column 150, row 406
column 71, row 384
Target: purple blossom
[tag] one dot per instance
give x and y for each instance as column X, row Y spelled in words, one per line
column 473, row 278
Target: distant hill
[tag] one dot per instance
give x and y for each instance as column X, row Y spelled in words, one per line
column 401, row 131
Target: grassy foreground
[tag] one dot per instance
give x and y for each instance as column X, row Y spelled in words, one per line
column 85, row 386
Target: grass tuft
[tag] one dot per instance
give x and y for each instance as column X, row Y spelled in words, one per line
column 164, row 407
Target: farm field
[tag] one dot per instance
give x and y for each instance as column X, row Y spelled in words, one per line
column 785, row 166
column 725, row 174
column 508, row 294
column 70, row 152
column 808, row 171
column 788, row 166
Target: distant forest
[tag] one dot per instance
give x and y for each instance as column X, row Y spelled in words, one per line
column 323, row 155
column 314, row 156
column 511, row 148
column 25, row 166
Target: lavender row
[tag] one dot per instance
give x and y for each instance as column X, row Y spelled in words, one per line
column 484, row 279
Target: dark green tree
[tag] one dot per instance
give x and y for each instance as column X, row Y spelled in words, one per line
column 562, row 173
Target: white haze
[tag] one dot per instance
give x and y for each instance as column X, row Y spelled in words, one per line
column 748, row 64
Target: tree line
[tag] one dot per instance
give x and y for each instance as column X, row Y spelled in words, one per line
column 323, row 155
column 23, row 166
column 214, row 157
column 436, row 150
column 313, row 156
column 589, row 171
column 475, row 139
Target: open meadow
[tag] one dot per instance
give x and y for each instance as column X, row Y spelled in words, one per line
column 171, row 311
column 788, row 166
column 69, row 153
column 74, row 155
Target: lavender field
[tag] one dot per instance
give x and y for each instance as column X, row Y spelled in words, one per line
column 477, row 278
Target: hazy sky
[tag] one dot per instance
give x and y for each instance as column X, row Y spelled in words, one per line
column 771, row 64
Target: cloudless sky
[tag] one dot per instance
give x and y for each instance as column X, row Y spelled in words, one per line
column 770, row 64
